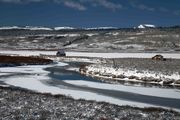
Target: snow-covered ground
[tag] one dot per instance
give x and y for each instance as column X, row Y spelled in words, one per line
column 142, row 26
column 90, row 54
column 141, row 75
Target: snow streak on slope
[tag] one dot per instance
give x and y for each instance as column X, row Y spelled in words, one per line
column 142, row 26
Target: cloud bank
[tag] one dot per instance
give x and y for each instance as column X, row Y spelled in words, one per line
column 81, row 5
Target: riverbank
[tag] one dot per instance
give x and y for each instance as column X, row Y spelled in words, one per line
column 136, row 70
column 24, row 104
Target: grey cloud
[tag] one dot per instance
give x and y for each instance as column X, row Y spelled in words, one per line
column 176, row 12
column 162, row 9
column 20, row 1
column 108, row 4
column 74, row 5
column 104, row 3
column 141, row 6
column 11, row 1
column 144, row 7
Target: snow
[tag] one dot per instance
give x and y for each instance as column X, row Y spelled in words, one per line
column 87, row 60
column 127, row 73
column 142, row 26
column 92, row 34
column 68, row 35
column 64, row 28
column 90, row 54
column 113, row 33
column 100, row 28
column 9, row 27
column 27, row 53
column 122, row 55
column 36, row 28
column 150, row 91
column 1, row 74
column 26, row 28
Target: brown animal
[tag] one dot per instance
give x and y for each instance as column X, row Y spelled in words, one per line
column 158, row 57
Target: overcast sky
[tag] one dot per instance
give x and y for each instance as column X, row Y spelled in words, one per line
column 89, row 13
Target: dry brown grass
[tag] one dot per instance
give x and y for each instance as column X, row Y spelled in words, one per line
column 23, row 60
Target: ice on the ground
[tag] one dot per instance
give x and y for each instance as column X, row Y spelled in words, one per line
column 36, row 80
column 150, row 91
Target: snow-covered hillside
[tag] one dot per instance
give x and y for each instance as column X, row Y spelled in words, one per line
column 24, row 28
column 142, row 26
column 64, row 28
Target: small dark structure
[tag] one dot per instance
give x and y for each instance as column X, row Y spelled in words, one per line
column 60, row 53
column 158, row 57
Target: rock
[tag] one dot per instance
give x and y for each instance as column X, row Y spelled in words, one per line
column 114, row 76
column 133, row 77
column 167, row 82
column 150, row 79
column 158, row 58
column 121, row 76
column 177, row 82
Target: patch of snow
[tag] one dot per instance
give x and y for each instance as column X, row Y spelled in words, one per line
column 36, row 28
column 27, row 52
column 132, row 38
column 64, row 28
column 90, row 54
column 72, row 46
column 25, row 28
column 113, row 33
column 1, row 74
column 122, row 55
column 9, row 27
column 100, row 28
column 142, row 26
column 68, row 35
column 79, row 60
column 92, row 34
column 140, row 33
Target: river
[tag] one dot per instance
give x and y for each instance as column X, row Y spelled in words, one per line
column 67, row 78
